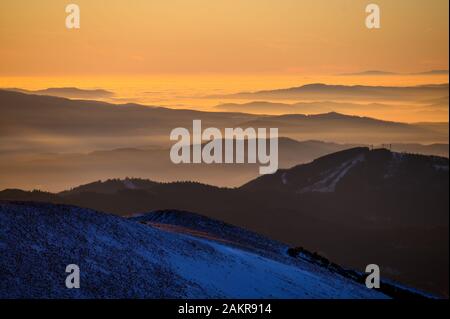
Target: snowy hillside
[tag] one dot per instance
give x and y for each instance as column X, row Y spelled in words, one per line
column 142, row 258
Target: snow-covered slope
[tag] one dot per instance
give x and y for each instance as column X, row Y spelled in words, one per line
column 139, row 258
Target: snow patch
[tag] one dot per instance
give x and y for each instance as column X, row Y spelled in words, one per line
column 328, row 183
column 128, row 183
column 394, row 164
column 441, row 167
column 284, row 178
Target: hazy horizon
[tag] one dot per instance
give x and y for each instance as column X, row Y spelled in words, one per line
column 174, row 92
column 173, row 54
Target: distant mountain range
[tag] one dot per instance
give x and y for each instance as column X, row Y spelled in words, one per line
column 354, row 129
column 355, row 207
column 321, row 92
column 273, row 108
column 431, row 110
column 51, row 124
column 68, row 92
column 98, row 124
column 377, row 72
column 163, row 254
column 434, row 72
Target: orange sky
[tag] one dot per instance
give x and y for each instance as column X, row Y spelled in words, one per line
column 142, row 37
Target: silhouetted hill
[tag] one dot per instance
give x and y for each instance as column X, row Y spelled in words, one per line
column 112, row 186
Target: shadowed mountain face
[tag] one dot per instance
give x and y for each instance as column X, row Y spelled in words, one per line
column 153, row 256
column 356, row 207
